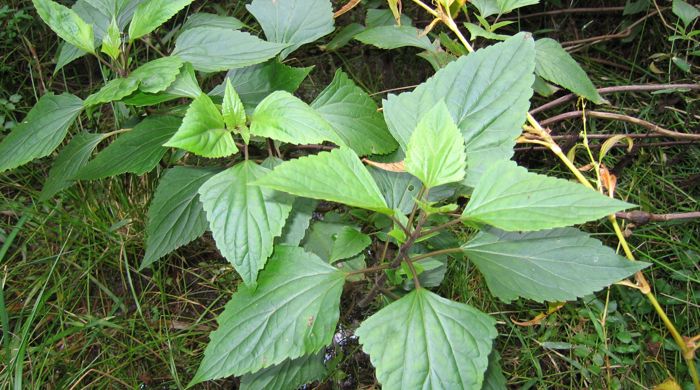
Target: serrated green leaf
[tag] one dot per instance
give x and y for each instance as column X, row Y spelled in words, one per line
column 685, row 12
column 150, row 14
column 488, row 94
column 476, row 31
column 66, row 24
column 424, row 341
column 112, row 41
column 114, row 90
column 354, row 116
column 298, row 222
column 254, row 83
column 211, row 49
column 347, row 243
column 41, row 131
column 137, row 151
column 98, row 19
column 203, row 19
column 185, row 85
column 243, row 218
column 435, row 152
column 513, row 199
column 157, row 75
column 336, row 176
column 289, row 374
column 554, row 64
column 320, row 238
column 394, row 37
column 284, row 117
column 175, row 216
column 293, row 22
column 549, row 265
column 384, row 17
column 343, row 37
column 203, row 131
column 297, row 298
column 232, row 108
column 73, row 157
column 507, row 6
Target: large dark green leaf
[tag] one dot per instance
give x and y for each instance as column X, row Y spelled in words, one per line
column 336, row 176
column 354, row 116
column 175, row 216
column 138, row 151
column 511, row 198
column 244, row 219
column 549, row 265
column 488, row 94
column 298, row 221
column 292, row 312
column 114, row 90
column 203, row 19
column 289, row 374
column 254, row 83
column 293, row 22
column 284, row 117
column 555, row 64
column 212, row 49
column 393, row 37
column 73, row 157
column 424, row 341
column 41, row 131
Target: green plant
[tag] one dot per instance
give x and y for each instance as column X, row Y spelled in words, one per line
column 449, row 142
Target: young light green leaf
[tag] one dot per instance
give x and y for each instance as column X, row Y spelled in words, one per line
column 175, row 216
column 486, row 7
column 66, row 24
column 488, row 94
column 137, row 151
column 554, row 64
column 393, row 37
column 685, row 12
column 293, row 22
column 549, row 265
column 112, row 41
column 290, row 374
column 435, row 152
column 254, row 83
column 211, row 49
column 297, row 298
column 244, row 219
column 150, row 14
column 232, row 108
column 73, row 157
column 298, row 222
column 336, row 176
column 202, row 131
column 114, row 90
column 157, row 75
column 41, row 131
column 384, row 17
column 203, row 19
column 424, row 341
column 354, row 116
column 286, row 118
column 513, row 199
column 347, row 243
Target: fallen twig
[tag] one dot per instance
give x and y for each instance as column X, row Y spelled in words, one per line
column 639, row 217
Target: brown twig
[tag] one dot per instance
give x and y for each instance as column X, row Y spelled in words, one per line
column 654, row 128
column 590, row 10
column 639, row 217
column 600, row 38
column 39, row 69
column 617, row 89
column 595, row 147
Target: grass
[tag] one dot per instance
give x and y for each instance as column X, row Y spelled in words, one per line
column 75, row 312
